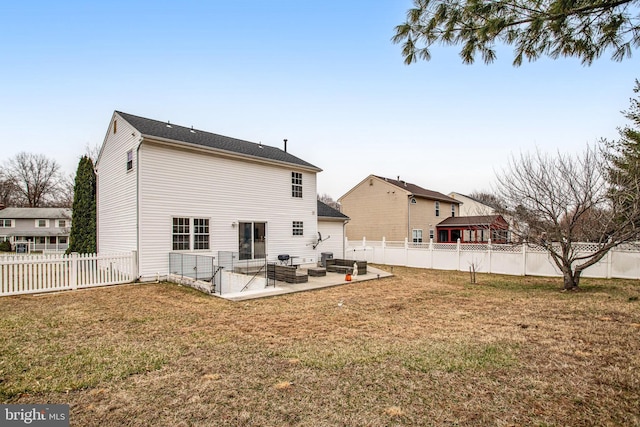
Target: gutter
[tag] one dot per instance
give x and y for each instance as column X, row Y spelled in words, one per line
column 231, row 154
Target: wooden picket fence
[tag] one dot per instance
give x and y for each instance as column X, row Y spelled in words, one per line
column 30, row 274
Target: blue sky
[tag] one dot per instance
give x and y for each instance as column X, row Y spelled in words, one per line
column 323, row 74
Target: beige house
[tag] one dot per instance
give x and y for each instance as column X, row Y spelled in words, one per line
column 382, row 207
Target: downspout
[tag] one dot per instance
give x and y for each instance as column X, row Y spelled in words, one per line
column 409, row 216
column 344, row 235
column 138, row 206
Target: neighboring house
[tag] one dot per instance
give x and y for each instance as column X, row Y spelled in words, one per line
column 382, row 207
column 470, row 206
column 36, row 229
column 474, row 207
column 164, row 188
column 474, row 229
column 331, row 229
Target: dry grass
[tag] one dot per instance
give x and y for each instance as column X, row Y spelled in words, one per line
column 421, row 348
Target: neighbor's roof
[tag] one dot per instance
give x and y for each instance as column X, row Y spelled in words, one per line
column 470, row 220
column 38, row 232
column 326, row 211
column 35, row 213
column 154, row 128
column 419, row 191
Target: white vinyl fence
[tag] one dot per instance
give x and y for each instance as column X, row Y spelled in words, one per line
column 30, row 274
column 518, row 259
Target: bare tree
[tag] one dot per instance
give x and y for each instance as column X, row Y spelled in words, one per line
column 565, row 199
column 8, row 190
column 92, row 152
column 328, row 200
column 64, row 195
column 36, row 179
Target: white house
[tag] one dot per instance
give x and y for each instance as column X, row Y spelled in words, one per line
column 470, row 206
column 165, row 188
column 35, row 229
column 331, row 226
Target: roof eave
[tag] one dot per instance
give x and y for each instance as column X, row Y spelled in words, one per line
column 226, row 153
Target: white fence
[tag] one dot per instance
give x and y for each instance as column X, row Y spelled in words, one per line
column 30, row 274
column 519, row 260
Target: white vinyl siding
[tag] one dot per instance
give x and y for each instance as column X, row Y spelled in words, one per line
column 228, row 191
column 116, row 195
column 334, row 244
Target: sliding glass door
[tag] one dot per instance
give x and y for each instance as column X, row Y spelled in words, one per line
column 252, row 240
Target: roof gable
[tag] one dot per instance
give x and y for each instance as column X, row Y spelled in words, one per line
column 168, row 131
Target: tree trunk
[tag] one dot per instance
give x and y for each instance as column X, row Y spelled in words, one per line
column 571, row 280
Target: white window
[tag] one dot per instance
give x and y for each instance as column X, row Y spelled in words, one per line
column 200, row 233
column 453, row 210
column 298, row 229
column 6, row 223
column 42, row 223
column 296, row 184
column 437, row 208
column 61, row 223
column 190, row 233
column 181, row 234
column 417, row 236
column 431, row 234
column 129, row 160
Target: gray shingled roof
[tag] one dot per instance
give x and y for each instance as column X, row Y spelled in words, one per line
column 419, row 191
column 154, row 128
column 35, row 213
column 326, row 211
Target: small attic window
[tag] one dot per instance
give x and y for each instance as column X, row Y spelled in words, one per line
column 115, row 126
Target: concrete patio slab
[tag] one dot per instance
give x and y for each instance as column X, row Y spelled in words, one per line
column 282, row 288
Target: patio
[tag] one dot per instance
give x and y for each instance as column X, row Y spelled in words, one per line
column 281, row 288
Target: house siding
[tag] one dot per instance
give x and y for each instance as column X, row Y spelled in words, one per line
column 380, row 209
column 334, row 244
column 116, row 195
column 176, row 182
column 377, row 209
column 423, row 217
column 471, row 207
